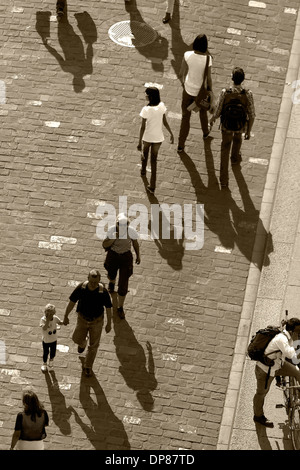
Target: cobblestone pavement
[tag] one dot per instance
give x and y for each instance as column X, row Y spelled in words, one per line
column 69, row 130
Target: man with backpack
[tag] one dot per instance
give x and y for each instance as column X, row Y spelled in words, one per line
column 278, row 358
column 236, row 110
column 91, row 297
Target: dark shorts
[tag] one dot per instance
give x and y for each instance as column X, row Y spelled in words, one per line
column 123, row 263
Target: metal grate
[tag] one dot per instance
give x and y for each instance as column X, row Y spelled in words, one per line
column 132, row 34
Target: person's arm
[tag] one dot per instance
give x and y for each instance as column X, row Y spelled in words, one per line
column 15, row 437
column 209, row 79
column 166, row 124
column 44, row 324
column 17, row 431
column 251, row 115
column 219, row 107
column 69, row 308
column 108, row 242
column 142, row 130
column 108, row 319
column 249, row 125
column 183, row 71
column 137, row 251
column 111, row 237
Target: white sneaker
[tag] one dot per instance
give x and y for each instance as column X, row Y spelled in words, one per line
column 51, row 364
column 44, row 367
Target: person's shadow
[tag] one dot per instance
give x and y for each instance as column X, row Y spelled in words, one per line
column 60, row 413
column 75, row 60
column 178, row 45
column 171, row 249
column 233, row 226
column 156, row 51
column 138, row 375
column 106, row 431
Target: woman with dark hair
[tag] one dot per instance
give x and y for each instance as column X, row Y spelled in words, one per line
column 151, row 132
column 191, row 75
column 30, row 424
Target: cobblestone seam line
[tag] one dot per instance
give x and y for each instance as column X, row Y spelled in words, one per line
column 259, row 247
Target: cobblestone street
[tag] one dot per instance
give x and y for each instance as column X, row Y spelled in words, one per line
column 69, row 111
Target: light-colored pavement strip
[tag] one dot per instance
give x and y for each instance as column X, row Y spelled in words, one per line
column 274, row 286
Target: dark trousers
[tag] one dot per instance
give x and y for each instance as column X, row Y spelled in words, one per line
column 49, row 347
column 186, row 116
column 287, row 369
column 230, row 141
column 154, row 148
column 124, row 264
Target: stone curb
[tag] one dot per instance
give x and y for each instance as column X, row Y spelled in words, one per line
column 254, row 276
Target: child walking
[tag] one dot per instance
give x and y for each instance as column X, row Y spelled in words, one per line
column 151, row 132
column 49, row 322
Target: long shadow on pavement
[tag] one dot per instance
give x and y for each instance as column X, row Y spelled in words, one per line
column 75, row 59
column 60, row 413
column 170, row 249
column 178, row 46
column 232, row 225
column 138, row 375
column 106, row 431
column 157, row 51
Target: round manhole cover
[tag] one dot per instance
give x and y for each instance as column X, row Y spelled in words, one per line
column 132, row 34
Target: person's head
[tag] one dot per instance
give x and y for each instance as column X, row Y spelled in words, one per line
column 293, row 325
column 153, row 95
column 50, row 311
column 31, row 403
column 122, row 220
column 200, row 43
column 238, row 75
column 94, row 279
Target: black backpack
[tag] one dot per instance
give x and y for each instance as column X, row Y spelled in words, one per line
column 259, row 342
column 234, row 110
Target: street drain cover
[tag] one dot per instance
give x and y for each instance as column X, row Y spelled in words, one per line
column 132, row 34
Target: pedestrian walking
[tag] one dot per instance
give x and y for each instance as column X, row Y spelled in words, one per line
column 151, row 132
column 29, row 433
column 91, row 297
column 48, row 323
column 194, row 65
column 169, row 11
column 236, row 110
column 119, row 259
column 279, row 349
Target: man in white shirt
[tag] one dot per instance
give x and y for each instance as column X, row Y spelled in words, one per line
column 192, row 74
column 279, row 349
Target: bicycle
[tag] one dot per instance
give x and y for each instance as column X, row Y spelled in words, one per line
column 291, row 394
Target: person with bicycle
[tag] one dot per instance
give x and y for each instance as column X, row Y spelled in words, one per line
column 281, row 350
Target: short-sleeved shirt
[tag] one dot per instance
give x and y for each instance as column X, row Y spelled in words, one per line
column 91, row 303
column 32, row 430
column 50, row 334
column 196, row 67
column 279, row 348
column 123, row 244
column 154, row 122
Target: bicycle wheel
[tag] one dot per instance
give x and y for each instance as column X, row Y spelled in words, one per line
column 294, row 416
column 285, row 382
